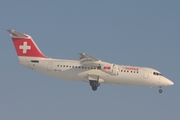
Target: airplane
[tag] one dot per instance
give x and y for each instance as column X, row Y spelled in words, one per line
column 86, row 69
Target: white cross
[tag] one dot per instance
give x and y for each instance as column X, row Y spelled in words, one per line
column 24, row 47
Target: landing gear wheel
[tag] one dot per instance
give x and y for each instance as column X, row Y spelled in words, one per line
column 94, row 88
column 94, row 84
column 160, row 90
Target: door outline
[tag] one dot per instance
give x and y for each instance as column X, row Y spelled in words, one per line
column 146, row 74
column 49, row 66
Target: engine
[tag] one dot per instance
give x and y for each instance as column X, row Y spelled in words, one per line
column 110, row 69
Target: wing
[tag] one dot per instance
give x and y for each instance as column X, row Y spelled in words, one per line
column 88, row 60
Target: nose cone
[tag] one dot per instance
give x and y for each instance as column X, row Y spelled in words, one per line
column 170, row 82
column 167, row 82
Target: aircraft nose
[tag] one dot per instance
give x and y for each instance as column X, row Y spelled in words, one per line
column 167, row 81
column 170, row 82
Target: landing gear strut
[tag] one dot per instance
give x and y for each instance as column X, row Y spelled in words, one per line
column 160, row 90
column 94, row 84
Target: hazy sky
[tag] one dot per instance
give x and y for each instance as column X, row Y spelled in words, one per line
column 140, row 33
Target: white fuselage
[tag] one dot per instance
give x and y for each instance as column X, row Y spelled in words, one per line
column 87, row 68
column 73, row 70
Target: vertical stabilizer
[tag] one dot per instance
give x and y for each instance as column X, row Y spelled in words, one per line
column 24, row 45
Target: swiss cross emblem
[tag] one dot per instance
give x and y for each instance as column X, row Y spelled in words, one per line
column 24, row 47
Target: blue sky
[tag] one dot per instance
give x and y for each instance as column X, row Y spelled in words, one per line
column 140, row 33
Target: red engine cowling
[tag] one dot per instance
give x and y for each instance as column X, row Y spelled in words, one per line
column 110, row 69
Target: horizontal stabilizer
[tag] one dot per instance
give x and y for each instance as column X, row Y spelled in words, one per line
column 16, row 34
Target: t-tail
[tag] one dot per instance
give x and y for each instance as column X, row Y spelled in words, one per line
column 25, row 47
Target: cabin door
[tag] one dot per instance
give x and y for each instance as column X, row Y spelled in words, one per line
column 49, row 66
column 146, row 74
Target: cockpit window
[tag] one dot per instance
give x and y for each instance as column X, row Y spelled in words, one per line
column 156, row 73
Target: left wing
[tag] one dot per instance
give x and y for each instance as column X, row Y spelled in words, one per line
column 88, row 60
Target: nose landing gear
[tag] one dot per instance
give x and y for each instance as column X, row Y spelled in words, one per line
column 160, row 90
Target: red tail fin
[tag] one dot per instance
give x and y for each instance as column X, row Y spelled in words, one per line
column 24, row 45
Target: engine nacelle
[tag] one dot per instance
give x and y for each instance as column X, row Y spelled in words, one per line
column 110, row 69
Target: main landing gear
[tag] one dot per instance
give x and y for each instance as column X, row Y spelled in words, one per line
column 94, row 84
column 160, row 90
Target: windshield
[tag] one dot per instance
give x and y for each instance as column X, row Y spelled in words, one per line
column 157, row 73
